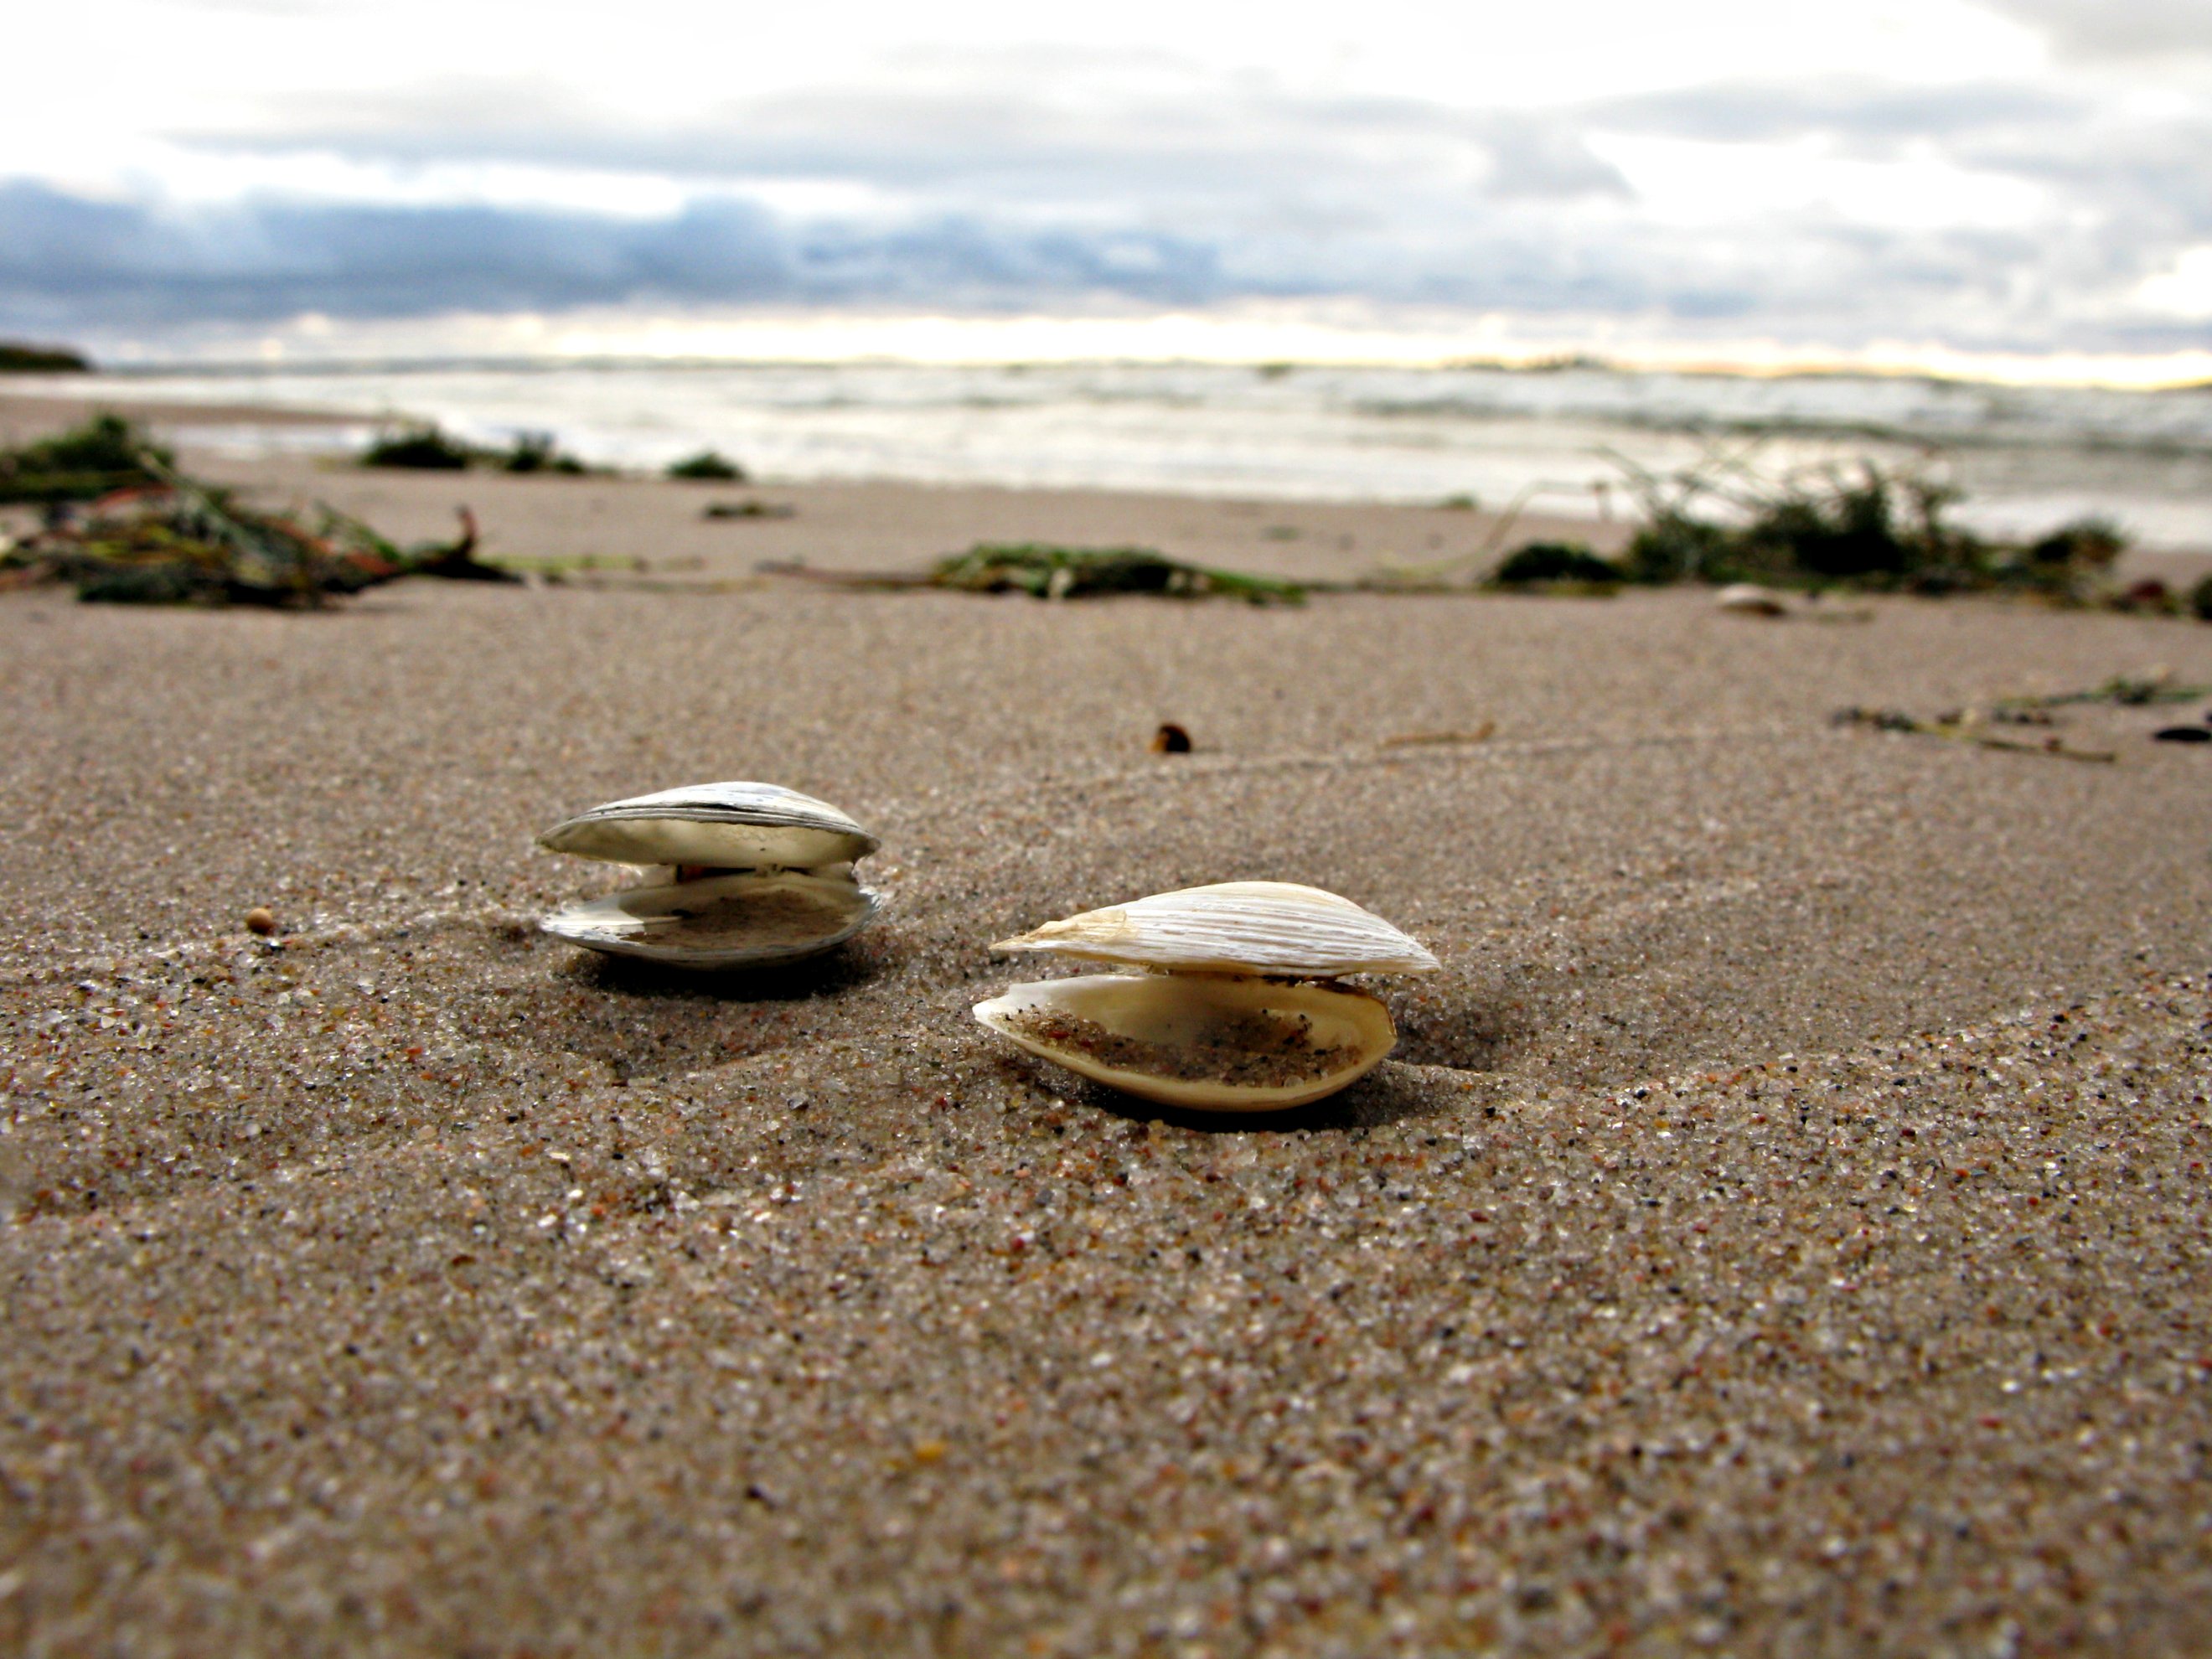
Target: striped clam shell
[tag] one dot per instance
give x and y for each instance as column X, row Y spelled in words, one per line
column 1272, row 929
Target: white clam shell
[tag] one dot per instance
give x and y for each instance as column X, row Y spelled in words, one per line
column 1156, row 1026
column 727, row 826
column 1273, row 928
column 734, row 875
column 746, row 919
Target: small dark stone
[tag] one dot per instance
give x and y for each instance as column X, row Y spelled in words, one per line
column 2183, row 734
column 1171, row 739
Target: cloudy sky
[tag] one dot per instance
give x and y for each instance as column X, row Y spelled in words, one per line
column 2028, row 179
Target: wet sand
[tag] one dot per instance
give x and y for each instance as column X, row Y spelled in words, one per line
column 1782, row 1228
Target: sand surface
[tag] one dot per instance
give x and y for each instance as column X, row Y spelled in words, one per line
column 1783, row 1228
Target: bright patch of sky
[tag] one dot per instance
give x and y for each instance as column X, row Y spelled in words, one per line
column 2186, row 289
column 1697, row 182
column 2015, row 179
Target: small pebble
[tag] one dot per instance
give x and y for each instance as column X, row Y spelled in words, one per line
column 2183, row 734
column 1171, row 739
column 261, row 920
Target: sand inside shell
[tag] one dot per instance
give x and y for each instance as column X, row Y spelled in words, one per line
column 776, row 919
column 1255, row 1049
column 735, row 919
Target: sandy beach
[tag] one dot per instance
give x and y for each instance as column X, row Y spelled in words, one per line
column 1781, row 1230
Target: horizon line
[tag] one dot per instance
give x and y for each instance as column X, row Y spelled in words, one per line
column 1261, row 341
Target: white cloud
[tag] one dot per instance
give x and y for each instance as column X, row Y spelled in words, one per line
column 1689, row 182
column 2183, row 290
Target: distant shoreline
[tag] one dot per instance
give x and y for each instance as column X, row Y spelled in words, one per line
column 1210, row 435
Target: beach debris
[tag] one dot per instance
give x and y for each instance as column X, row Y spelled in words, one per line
column 1967, row 726
column 1480, row 732
column 179, row 541
column 1751, row 599
column 1725, row 520
column 555, row 568
column 749, row 510
column 729, row 875
column 104, row 454
column 1047, row 571
column 2121, row 690
column 1171, row 739
column 423, row 449
column 537, row 452
column 1862, row 525
column 709, row 465
column 1557, row 565
column 2183, row 734
column 261, row 920
column 2148, row 594
column 1226, row 1000
column 427, row 446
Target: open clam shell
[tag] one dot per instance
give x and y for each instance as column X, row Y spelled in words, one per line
column 733, row 875
column 1213, row 1044
column 1273, row 928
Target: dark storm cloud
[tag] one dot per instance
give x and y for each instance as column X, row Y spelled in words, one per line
column 62, row 258
column 69, row 264
column 997, row 199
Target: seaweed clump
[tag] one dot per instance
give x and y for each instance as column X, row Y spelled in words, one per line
column 2200, row 600
column 538, row 451
column 424, row 448
column 106, row 454
column 1045, row 570
column 1864, row 527
column 427, row 447
column 709, row 465
column 179, row 542
column 1557, row 564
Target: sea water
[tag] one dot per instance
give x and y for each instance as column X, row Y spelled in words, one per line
column 1578, row 439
